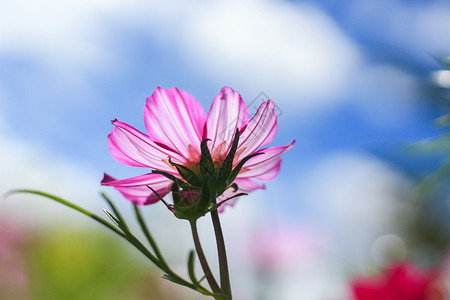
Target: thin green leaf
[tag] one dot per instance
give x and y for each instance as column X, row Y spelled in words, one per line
column 191, row 265
column 71, row 205
column 116, row 211
column 112, row 218
column 170, row 278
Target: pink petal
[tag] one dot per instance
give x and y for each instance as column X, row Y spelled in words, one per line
column 244, row 186
column 133, row 148
column 266, row 166
column 175, row 119
column 260, row 130
column 228, row 112
column 135, row 189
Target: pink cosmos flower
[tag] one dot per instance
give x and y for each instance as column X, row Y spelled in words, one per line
column 177, row 124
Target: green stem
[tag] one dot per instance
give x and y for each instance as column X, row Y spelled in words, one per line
column 223, row 263
column 203, row 262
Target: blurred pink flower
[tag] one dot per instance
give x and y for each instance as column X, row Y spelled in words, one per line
column 401, row 281
column 284, row 245
column 13, row 276
column 176, row 124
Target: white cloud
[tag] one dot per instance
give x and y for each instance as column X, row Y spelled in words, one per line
column 431, row 25
column 358, row 197
column 292, row 51
column 65, row 34
column 26, row 165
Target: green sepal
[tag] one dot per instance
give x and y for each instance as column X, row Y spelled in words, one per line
column 238, row 168
column 227, row 165
column 176, row 195
column 207, row 196
column 187, row 174
column 206, row 163
column 182, row 184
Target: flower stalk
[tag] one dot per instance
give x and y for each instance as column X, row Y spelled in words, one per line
column 203, row 262
column 222, row 253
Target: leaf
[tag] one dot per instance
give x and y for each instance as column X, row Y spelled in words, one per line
column 191, row 266
column 71, row 205
column 112, row 218
column 170, row 278
column 175, row 280
column 116, row 211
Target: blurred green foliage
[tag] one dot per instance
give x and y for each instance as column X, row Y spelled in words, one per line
column 88, row 265
column 429, row 229
column 440, row 146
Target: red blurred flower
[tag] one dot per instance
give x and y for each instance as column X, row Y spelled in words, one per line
column 400, row 281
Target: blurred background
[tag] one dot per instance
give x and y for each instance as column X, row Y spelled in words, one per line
column 356, row 83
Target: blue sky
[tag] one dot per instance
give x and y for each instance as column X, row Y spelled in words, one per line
column 352, row 81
